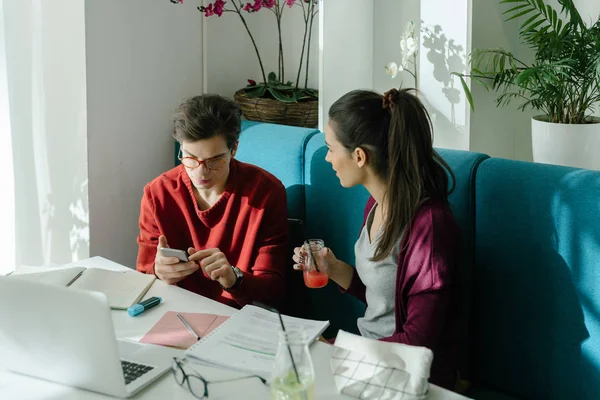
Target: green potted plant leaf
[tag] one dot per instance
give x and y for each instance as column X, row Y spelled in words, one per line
column 275, row 99
column 562, row 81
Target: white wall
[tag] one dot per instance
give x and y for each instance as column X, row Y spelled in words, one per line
column 442, row 29
column 389, row 20
column 346, row 50
column 45, row 51
column 230, row 56
column 7, row 179
column 143, row 58
column 589, row 10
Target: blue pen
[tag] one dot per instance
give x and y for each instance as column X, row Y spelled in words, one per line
column 139, row 308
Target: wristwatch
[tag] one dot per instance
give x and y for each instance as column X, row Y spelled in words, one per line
column 239, row 277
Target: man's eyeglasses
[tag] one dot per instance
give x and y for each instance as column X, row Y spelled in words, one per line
column 213, row 163
column 196, row 383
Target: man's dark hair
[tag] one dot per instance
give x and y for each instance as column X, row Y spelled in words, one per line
column 206, row 116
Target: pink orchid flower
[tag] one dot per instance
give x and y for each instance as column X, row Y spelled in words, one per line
column 290, row 3
column 219, row 5
column 208, row 10
column 249, row 7
column 268, row 3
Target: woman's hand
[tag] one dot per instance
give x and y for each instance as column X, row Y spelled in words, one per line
column 298, row 257
column 333, row 264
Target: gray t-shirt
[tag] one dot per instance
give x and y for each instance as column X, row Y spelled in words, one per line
column 379, row 278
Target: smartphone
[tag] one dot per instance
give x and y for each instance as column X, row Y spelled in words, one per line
column 180, row 254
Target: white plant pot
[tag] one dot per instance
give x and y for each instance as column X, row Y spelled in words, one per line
column 572, row 145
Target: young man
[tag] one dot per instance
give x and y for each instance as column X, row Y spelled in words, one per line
column 229, row 216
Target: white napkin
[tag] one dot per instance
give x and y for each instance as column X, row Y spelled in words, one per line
column 371, row 369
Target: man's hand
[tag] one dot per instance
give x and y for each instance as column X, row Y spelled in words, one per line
column 215, row 265
column 170, row 269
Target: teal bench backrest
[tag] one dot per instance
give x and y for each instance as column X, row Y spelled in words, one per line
column 537, row 280
column 279, row 149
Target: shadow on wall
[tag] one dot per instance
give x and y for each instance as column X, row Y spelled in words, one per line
column 446, row 57
column 79, row 235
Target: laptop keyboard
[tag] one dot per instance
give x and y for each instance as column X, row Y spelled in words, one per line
column 132, row 371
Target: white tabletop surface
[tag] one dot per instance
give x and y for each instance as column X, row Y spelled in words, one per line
column 18, row 387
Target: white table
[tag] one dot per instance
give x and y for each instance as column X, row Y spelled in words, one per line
column 18, row 387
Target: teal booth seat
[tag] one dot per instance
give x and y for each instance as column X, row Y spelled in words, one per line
column 537, row 280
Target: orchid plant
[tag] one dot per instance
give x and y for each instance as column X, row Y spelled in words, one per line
column 273, row 84
column 409, row 44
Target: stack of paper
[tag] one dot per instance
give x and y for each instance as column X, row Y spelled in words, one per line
column 248, row 340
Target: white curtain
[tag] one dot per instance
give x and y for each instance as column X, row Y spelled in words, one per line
column 7, row 202
column 44, row 142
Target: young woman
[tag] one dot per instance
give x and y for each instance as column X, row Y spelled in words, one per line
column 407, row 253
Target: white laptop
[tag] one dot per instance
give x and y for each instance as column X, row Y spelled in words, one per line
column 66, row 335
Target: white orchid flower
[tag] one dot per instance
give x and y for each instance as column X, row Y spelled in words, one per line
column 409, row 30
column 392, row 69
column 408, row 46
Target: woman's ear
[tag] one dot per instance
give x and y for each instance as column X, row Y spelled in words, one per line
column 360, row 156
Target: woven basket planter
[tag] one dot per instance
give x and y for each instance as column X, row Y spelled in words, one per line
column 304, row 113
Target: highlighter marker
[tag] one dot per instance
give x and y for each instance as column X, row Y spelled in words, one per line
column 139, row 308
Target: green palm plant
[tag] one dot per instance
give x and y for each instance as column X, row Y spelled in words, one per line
column 563, row 80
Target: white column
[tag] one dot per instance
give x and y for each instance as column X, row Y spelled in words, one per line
column 590, row 12
column 345, row 50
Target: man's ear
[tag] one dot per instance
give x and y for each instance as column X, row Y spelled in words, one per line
column 360, row 156
column 234, row 148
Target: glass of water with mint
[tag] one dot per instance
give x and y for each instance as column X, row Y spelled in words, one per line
column 293, row 375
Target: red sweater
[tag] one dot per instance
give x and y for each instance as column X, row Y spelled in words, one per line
column 248, row 224
column 426, row 303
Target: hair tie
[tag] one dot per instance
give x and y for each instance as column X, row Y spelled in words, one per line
column 390, row 98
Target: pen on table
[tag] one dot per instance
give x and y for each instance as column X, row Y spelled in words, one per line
column 189, row 328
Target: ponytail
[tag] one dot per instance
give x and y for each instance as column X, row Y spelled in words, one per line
column 415, row 170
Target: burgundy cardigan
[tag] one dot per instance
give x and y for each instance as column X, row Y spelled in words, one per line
column 426, row 305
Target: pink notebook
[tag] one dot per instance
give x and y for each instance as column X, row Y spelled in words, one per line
column 170, row 331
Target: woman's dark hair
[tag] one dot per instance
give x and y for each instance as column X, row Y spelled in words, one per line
column 206, row 116
column 395, row 132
